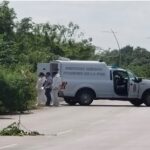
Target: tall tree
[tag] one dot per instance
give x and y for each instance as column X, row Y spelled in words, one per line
column 7, row 16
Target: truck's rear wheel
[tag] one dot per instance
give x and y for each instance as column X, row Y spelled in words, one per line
column 70, row 101
column 85, row 97
column 136, row 102
column 147, row 99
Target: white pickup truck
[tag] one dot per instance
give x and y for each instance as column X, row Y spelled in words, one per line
column 85, row 81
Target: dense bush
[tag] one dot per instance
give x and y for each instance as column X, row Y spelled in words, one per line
column 23, row 44
column 17, row 90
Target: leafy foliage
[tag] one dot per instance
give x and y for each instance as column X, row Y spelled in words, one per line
column 7, row 16
column 17, row 90
column 137, row 60
column 15, row 130
column 22, row 45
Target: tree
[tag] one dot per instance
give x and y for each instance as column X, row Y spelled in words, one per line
column 136, row 59
column 7, row 16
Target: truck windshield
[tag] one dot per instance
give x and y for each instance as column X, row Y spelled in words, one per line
column 131, row 75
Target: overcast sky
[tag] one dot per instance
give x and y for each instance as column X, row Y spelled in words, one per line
column 129, row 20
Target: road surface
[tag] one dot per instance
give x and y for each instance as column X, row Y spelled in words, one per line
column 104, row 125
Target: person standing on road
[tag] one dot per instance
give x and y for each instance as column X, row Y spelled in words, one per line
column 41, row 98
column 55, row 88
column 48, row 88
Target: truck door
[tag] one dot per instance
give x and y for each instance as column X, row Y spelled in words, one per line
column 121, row 82
column 133, row 87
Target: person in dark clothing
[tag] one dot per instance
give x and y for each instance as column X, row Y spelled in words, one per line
column 48, row 87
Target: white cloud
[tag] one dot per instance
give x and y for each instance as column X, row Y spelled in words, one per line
column 129, row 19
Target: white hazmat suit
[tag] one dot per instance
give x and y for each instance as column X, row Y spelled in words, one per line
column 41, row 98
column 55, row 88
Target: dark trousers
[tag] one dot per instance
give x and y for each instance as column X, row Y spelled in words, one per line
column 48, row 96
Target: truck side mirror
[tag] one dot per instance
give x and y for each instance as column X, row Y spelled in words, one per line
column 138, row 79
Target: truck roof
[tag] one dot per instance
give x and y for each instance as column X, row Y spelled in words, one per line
column 80, row 61
column 116, row 68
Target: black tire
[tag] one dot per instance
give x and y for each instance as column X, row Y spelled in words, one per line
column 136, row 102
column 70, row 101
column 147, row 99
column 85, row 97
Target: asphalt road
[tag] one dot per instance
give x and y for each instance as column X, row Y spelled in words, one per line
column 104, row 125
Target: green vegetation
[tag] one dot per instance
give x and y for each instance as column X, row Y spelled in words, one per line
column 14, row 130
column 137, row 60
column 17, row 90
column 24, row 43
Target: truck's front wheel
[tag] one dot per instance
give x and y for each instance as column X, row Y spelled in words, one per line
column 70, row 101
column 85, row 97
column 147, row 99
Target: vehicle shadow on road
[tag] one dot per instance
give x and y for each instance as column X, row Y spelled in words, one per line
column 3, row 118
column 104, row 105
column 5, row 115
column 116, row 106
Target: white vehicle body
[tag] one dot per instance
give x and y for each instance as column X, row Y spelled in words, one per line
column 84, row 81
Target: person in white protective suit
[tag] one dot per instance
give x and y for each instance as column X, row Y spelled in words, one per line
column 41, row 98
column 56, row 84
